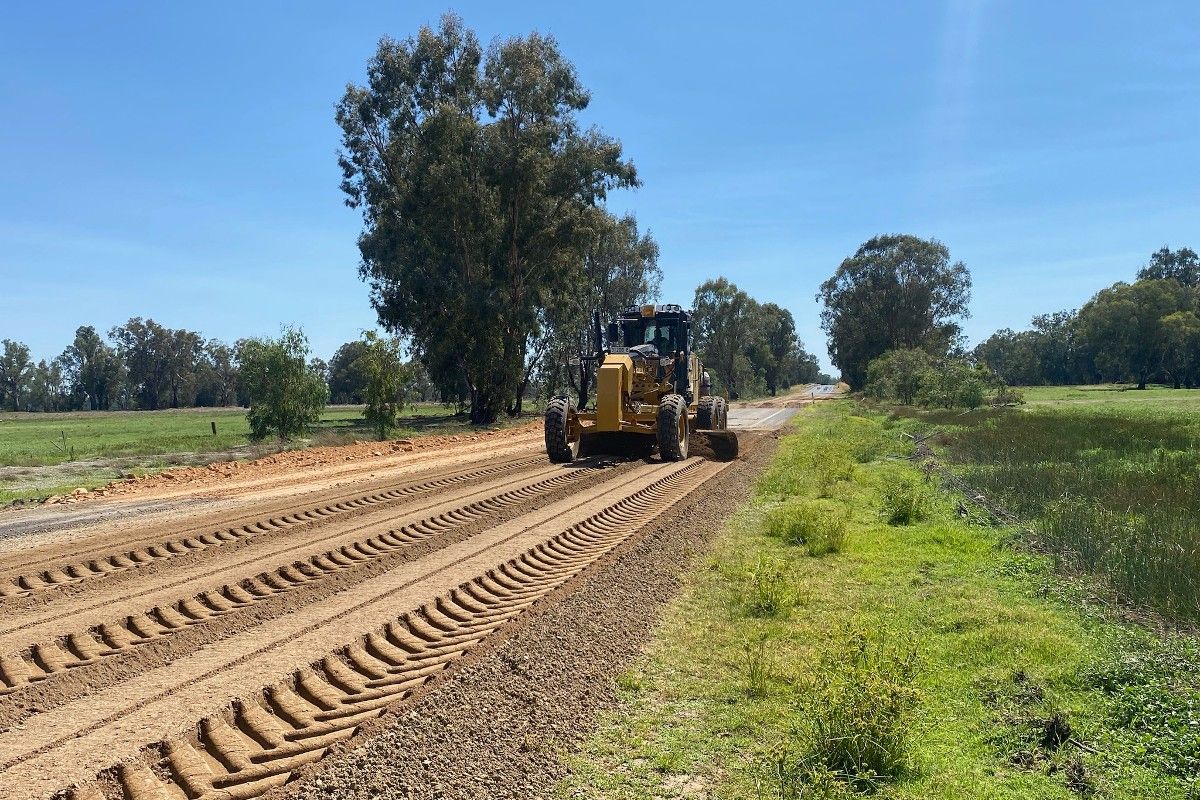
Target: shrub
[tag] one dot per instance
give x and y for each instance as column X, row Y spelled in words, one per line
column 897, row 375
column 819, row 525
column 287, row 395
column 906, row 498
column 906, row 376
column 387, row 381
column 1008, row 396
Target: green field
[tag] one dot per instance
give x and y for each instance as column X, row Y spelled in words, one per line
column 1153, row 399
column 854, row 634
column 1107, row 480
column 45, row 454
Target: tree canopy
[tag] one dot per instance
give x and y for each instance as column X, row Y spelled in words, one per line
column 896, row 291
column 478, row 187
column 286, row 395
column 1141, row 331
column 747, row 347
column 620, row 269
column 1181, row 266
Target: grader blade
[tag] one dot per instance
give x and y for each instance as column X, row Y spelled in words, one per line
column 722, row 444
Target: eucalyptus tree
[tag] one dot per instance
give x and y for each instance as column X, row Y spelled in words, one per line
column 476, row 183
column 1125, row 329
column 93, row 369
column 620, row 269
column 16, row 369
column 724, row 326
column 896, row 291
column 1181, row 266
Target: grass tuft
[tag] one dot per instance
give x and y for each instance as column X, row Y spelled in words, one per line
column 861, row 713
column 905, row 498
column 757, row 662
column 819, row 525
column 767, row 588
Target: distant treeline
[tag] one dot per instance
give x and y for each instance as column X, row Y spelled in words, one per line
column 750, row 348
column 893, row 310
column 143, row 365
column 1140, row 332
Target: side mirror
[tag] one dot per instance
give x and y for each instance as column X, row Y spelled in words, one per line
column 614, row 333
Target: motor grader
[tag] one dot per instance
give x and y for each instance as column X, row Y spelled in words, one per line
column 651, row 393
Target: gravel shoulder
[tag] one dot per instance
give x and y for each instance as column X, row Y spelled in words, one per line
column 497, row 725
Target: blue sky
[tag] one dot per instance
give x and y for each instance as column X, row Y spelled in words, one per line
column 179, row 160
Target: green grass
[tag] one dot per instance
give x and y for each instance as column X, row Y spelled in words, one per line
column 932, row 659
column 46, row 454
column 1109, row 486
column 1154, row 399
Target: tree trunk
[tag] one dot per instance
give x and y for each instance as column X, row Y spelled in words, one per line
column 485, row 405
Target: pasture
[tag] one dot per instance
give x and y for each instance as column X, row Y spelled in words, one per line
column 43, row 454
column 1106, row 479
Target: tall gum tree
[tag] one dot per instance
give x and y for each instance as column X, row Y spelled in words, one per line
column 475, row 181
column 896, row 291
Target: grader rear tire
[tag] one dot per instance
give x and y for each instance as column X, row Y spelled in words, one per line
column 720, row 415
column 673, row 428
column 559, row 446
column 707, row 417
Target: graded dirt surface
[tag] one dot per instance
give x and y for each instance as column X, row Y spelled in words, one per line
column 495, row 728
column 226, row 631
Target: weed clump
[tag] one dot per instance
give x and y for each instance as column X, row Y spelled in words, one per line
column 767, row 589
column 1153, row 692
column 857, row 734
column 818, row 525
column 757, row 663
column 906, row 498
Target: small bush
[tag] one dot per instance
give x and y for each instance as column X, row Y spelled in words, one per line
column 819, row 525
column 906, row 498
column 1008, row 396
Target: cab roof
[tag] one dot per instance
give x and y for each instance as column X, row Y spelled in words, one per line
column 667, row 310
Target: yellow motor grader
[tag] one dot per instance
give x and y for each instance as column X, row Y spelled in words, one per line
column 651, row 393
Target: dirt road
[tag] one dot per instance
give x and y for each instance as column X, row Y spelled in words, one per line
column 213, row 642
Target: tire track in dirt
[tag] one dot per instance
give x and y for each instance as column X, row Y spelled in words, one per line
column 367, row 659
column 86, row 646
column 257, row 555
column 46, row 573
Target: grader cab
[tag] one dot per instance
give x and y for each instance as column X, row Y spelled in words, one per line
column 651, row 393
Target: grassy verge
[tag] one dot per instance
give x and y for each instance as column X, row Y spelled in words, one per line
column 48, row 454
column 854, row 633
column 1109, row 486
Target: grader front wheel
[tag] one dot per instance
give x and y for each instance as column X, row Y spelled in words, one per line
column 673, row 428
column 560, row 446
